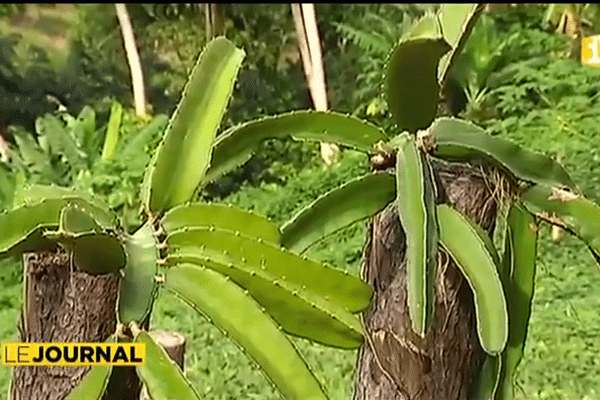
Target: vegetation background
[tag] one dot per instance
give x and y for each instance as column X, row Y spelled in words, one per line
column 517, row 77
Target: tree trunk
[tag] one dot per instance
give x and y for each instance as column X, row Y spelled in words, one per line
column 215, row 21
column 395, row 363
column 66, row 305
column 133, row 59
column 310, row 51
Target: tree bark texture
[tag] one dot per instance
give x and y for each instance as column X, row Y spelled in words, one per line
column 66, row 305
column 395, row 363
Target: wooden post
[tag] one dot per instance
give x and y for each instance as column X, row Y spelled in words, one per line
column 174, row 344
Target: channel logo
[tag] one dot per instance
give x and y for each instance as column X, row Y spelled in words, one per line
column 73, row 354
column 590, row 52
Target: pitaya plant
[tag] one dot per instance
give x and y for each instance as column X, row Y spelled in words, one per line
column 501, row 280
column 226, row 263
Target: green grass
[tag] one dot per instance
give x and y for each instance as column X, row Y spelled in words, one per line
column 563, row 342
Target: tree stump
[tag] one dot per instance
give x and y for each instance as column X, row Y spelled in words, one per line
column 62, row 304
column 174, row 344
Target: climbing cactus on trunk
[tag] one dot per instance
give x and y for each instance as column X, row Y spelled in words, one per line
column 501, row 282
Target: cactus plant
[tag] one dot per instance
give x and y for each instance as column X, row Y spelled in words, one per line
column 502, row 286
column 227, row 264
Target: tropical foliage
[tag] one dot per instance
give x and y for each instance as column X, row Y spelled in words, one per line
column 541, row 190
column 533, row 96
column 225, row 263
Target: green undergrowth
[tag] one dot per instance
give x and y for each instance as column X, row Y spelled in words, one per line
column 560, row 360
column 10, row 302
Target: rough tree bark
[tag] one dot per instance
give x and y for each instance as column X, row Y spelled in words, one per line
column 395, row 363
column 66, row 305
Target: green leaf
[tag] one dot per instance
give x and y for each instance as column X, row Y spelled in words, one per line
column 84, row 128
column 416, row 209
column 131, row 147
column 236, row 313
column 30, row 151
column 183, row 155
column 21, row 227
column 112, row 131
column 518, row 278
column 460, row 140
column 411, row 86
column 138, row 285
column 75, row 220
column 94, row 383
column 338, row 209
column 488, row 380
column 60, row 140
column 457, row 22
column 297, row 310
column 223, row 246
column 428, row 26
column 476, row 258
column 33, row 194
column 161, row 375
column 574, row 212
column 236, row 145
column 220, row 216
column 8, row 185
column 98, row 253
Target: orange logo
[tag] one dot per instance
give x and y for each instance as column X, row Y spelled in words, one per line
column 590, row 52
